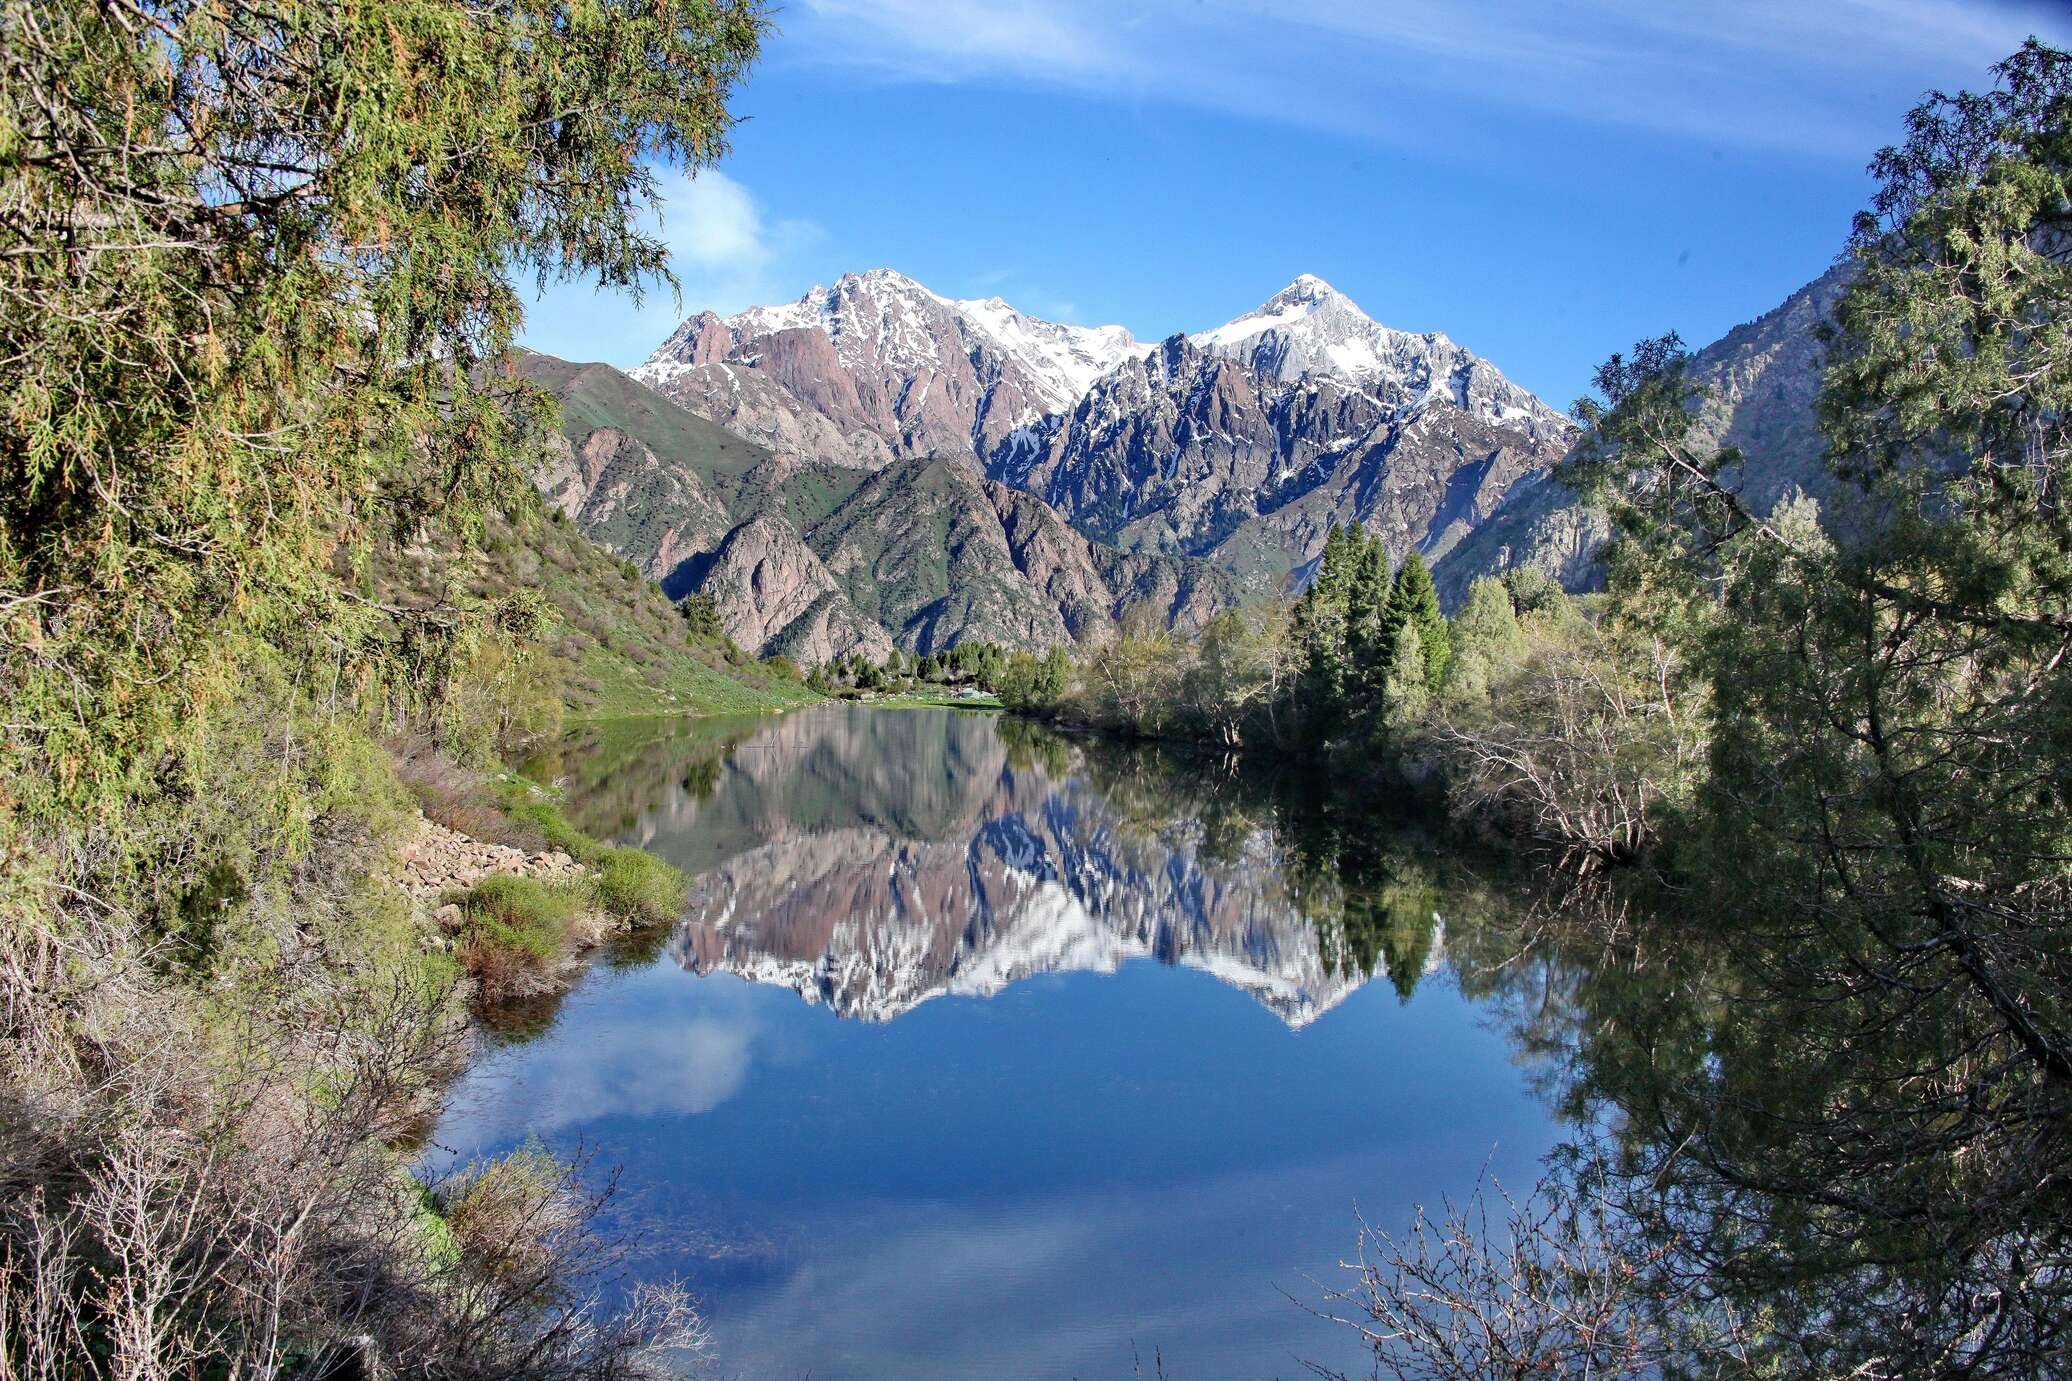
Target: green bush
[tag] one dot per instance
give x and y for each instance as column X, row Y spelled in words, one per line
column 632, row 885
column 522, row 914
column 638, row 887
column 523, row 804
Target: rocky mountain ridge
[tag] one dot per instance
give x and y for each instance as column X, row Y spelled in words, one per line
column 897, row 370
column 1026, row 482
column 814, row 559
column 1240, row 444
column 1760, row 383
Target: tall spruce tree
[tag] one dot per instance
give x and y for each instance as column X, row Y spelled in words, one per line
column 1367, row 642
column 1320, row 633
column 1415, row 603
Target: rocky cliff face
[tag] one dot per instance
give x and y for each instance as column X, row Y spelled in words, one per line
column 816, row 560
column 628, row 499
column 939, row 556
column 1761, row 381
column 1191, row 450
column 747, row 400
column 776, row 596
column 892, row 368
column 1240, row 444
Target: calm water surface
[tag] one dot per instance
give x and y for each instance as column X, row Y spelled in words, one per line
column 980, row 1055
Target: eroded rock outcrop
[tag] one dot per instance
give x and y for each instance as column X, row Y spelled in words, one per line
column 775, row 595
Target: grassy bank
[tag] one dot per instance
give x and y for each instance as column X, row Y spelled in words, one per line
column 612, row 644
column 924, row 700
column 519, row 936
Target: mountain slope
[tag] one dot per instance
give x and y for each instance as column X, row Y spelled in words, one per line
column 1761, row 381
column 816, row 559
column 890, row 368
column 940, row 555
column 1205, row 454
column 615, row 644
column 1241, row 444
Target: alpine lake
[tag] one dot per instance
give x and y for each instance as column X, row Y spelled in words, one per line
column 983, row 1052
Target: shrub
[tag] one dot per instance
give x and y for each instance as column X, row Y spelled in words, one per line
column 639, row 888
column 1584, row 741
column 516, row 928
column 701, row 614
column 502, row 1217
column 524, row 804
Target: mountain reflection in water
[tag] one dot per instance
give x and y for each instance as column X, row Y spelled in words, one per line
column 1118, row 1157
column 955, row 865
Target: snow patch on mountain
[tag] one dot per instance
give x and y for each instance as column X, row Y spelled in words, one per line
column 1309, row 328
column 885, row 320
column 1065, row 359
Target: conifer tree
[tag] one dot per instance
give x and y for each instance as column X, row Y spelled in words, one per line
column 1415, row 602
column 1889, row 803
column 1367, row 604
column 1320, row 632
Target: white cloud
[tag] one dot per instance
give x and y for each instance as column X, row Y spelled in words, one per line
column 627, row 1065
column 724, row 250
column 1773, row 74
column 950, row 40
column 1194, row 1270
column 710, row 222
column 721, row 247
column 716, row 231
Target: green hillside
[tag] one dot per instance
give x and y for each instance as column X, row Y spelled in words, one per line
column 734, row 469
column 597, row 395
column 617, row 644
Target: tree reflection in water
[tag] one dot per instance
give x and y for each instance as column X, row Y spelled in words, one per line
column 1761, row 1175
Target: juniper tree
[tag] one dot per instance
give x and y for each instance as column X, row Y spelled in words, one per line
column 259, row 271
column 1873, row 1136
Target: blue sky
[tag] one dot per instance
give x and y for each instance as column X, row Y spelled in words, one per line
column 1543, row 181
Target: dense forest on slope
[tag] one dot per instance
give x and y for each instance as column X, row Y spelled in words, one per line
column 276, row 597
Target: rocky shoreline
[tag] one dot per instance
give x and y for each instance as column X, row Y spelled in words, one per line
column 439, row 860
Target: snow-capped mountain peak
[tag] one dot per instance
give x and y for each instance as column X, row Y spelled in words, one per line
column 882, row 320
column 1310, row 328
column 876, row 366
column 1065, row 359
column 1306, row 294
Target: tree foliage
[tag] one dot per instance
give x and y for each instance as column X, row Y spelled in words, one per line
column 259, row 273
column 1872, row 1137
column 257, row 284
